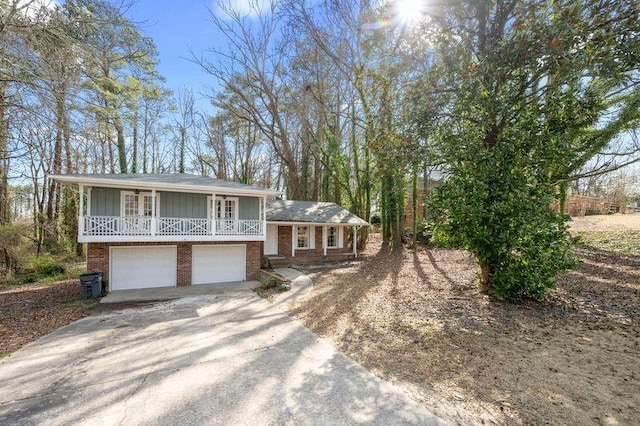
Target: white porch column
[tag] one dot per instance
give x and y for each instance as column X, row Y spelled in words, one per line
column 88, row 212
column 293, row 241
column 81, row 210
column 355, row 241
column 154, row 222
column 214, row 213
column 324, row 240
column 263, row 215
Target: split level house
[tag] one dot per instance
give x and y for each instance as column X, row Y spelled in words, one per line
column 165, row 230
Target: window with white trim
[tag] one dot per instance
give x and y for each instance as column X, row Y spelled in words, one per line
column 225, row 208
column 303, row 237
column 332, row 237
column 138, row 204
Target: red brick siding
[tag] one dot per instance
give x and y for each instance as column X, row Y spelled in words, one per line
column 284, row 241
column 184, row 264
column 98, row 257
column 309, row 255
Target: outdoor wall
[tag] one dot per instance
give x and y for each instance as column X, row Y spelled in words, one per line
column 98, row 257
column 308, row 256
column 106, row 202
column 183, row 204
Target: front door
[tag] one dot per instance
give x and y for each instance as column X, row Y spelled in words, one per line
column 271, row 244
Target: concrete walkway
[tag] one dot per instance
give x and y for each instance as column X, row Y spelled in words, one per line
column 301, row 285
column 168, row 293
column 228, row 359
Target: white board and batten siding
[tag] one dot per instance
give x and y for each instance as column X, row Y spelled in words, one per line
column 142, row 267
column 218, row 263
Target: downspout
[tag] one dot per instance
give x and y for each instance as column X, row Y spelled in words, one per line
column 154, row 222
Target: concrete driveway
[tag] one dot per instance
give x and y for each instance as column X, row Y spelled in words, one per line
column 229, row 359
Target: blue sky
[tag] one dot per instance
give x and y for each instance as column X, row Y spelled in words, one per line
column 176, row 26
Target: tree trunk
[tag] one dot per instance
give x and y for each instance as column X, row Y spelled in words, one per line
column 53, row 200
column 5, row 215
column 414, row 205
column 145, row 141
column 425, row 189
column 562, row 198
column 69, row 196
column 112, row 164
column 486, row 272
column 122, row 149
column 183, row 143
column 134, row 154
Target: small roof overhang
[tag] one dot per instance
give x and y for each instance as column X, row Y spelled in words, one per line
column 178, row 182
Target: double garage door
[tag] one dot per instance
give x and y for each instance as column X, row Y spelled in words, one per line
column 156, row 266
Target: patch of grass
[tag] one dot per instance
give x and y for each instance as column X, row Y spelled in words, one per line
column 627, row 242
column 79, row 305
column 271, row 286
column 45, row 273
column 282, row 287
column 269, row 282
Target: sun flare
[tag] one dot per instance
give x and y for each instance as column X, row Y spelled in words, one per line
column 409, row 11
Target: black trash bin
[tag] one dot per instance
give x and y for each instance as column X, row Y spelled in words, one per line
column 91, row 284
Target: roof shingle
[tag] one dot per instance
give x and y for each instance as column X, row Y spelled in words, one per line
column 310, row 212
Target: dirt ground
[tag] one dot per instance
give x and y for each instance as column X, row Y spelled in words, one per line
column 615, row 222
column 30, row 311
column 417, row 319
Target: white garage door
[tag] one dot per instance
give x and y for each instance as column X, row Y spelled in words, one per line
column 218, row 264
column 142, row 267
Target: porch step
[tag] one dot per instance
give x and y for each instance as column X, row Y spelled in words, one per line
column 274, row 262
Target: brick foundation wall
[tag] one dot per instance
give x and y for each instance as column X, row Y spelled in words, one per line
column 98, row 256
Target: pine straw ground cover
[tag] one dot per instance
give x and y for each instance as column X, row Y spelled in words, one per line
column 30, row 311
column 417, row 319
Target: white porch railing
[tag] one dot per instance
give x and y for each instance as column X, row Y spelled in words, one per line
column 238, row 227
column 114, row 226
column 180, row 226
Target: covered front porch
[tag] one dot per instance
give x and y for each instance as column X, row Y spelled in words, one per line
column 131, row 214
column 171, row 207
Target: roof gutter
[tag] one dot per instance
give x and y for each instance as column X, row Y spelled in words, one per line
column 279, row 222
column 109, row 183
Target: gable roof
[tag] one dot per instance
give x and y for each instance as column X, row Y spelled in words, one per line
column 174, row 181
column 310, row 212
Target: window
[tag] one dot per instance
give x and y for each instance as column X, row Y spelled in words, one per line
column 140, row 204
column 303, row 237
column 225, row 208
column 332, row 237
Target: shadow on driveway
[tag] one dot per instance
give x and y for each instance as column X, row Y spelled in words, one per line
column 214, row 359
